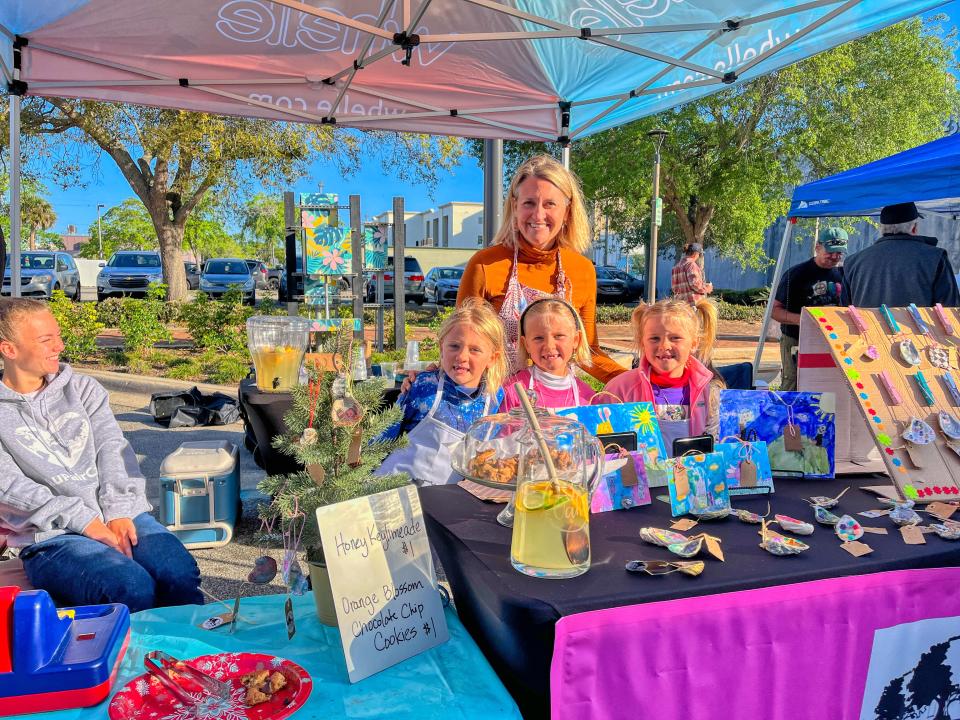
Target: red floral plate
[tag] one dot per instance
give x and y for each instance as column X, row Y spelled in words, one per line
column 144, row 698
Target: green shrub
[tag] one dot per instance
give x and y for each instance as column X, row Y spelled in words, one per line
column 748, row 313
column 752, row 296
column 218, row 324
column 141, row 323
column 229, row 368
column 79, row 326
column 613, row 314
column 110, row 311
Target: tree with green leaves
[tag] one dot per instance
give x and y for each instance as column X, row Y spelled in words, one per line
column 730, row 159
column 126, row 226
column 172, row 159
column 261, row 218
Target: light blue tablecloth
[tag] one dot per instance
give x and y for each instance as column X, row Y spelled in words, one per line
column 451, row 681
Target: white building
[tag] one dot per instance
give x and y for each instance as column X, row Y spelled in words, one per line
column 454, row 224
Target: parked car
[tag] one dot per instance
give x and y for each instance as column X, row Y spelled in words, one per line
column 43, row 272
column 273, row 277
column 259, row 271
column 221, row 273
column 441, row 284
column 609, row 288
column 128, row 272
column 412, row 282
column 193, row 274
column 635, row 286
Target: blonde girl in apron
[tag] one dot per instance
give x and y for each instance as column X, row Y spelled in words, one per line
column 441, row 404
column 553, row 342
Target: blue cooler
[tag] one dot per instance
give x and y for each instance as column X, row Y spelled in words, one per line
column 200, row 492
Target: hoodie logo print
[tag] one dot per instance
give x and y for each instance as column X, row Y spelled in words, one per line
column 47, row 447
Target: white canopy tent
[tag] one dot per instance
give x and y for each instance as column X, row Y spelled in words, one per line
column 548, row 70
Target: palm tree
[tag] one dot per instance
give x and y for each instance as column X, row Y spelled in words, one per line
column 36, row 214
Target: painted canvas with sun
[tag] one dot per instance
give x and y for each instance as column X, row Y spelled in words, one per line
column 702, row 488
column 638, row 417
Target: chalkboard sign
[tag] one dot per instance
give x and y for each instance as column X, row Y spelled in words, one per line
column 383, row 580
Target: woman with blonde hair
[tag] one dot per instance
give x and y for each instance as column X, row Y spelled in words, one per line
column 538, row 253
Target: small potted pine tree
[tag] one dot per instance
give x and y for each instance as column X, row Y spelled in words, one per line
column 339, row 461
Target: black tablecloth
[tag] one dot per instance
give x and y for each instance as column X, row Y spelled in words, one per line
column 511, row 615
column 263, row 413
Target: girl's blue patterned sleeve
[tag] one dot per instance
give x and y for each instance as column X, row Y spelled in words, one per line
column 416, row 404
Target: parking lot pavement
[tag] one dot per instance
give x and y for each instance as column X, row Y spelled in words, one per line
column 223, row 569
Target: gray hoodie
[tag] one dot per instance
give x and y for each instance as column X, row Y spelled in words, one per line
column 63, row 461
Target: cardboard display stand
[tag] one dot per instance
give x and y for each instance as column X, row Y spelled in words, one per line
column 921, row 472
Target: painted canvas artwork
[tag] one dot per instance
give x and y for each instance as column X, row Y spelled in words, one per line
column 623, row 485
column 798, row 427
column 638, row 417
column 327, row 247
column 375, row 247
column 757, row 482
column 701, row 488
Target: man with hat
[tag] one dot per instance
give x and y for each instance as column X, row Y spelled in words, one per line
column 813, row 283
column 686, row 280
column 901, row 267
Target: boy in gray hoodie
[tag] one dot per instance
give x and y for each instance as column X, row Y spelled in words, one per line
column 71, row 492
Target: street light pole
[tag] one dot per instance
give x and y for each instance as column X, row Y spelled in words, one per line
column 99, row 231
column 656, row 214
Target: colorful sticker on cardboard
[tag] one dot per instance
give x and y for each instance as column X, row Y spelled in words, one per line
column 638, row 417
column 764, row 415
column 705, row 489
column 623, row 485
column 735, row 453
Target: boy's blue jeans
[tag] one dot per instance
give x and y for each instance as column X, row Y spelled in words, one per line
column 76, row 570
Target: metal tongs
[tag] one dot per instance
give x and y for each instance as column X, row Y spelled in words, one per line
column 208, row 685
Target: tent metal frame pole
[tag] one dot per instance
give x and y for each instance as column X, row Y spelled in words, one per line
column 399, row 264
column 565, row 156
column 492, row 189
column 15, row 192
column 768, row 313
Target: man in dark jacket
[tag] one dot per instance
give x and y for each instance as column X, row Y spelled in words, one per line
column 901, row 267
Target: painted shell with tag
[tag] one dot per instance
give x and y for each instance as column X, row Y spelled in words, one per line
column 661, row 537
column 711, row 514
column 798, row 527
column 948, row 530
column 746, row 516
column 848, row 529
column 909, row 352
column 939, row 357
column 824, row 516
column 949, row 425
column 903, row 514
column 918, row 432
column 686, row 548
column 782, row 546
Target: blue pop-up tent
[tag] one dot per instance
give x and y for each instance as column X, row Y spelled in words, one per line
column 928, row 175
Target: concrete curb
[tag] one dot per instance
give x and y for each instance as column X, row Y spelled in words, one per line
column 147, row 385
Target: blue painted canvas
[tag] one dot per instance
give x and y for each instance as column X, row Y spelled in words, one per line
column 735, row 453
column 638, row 417
column 763, row 415
column 375, row 247
column 623, row 485
column 706, row 486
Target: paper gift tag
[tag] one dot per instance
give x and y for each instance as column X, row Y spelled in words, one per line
column 317, row 473
column 919, row 454
column 857, row 548
column 353, row 454
column 713, row 546
column 792, row 440
column 216, row 621
column 912, row 535
column 683, row 524
column 748, row 474
column 628, row 474
column 680, row 481
column 874, row 530
column 941, row 509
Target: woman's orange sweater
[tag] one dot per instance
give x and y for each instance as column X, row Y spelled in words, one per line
column 488, row 273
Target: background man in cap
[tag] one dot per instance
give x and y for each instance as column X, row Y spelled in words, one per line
column 901, row 267
column 686, row 280
column 813, row 283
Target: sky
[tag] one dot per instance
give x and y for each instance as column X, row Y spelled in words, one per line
column 78, row 205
